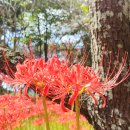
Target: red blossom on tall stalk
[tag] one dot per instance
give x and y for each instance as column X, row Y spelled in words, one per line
column 32, row 73
column 79, row 79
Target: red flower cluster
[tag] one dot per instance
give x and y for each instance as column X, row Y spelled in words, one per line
column 56, row 78
column 14, row 110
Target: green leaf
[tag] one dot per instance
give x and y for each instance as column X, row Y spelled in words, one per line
column 85, row 8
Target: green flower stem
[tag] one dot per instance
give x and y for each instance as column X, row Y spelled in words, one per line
column 77, row 113
column 45, row 112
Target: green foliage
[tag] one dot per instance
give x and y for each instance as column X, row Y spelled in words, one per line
column 2, row 90
column 42, row 21
column 85, row 8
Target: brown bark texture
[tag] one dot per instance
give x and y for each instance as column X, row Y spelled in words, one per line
column 13, row 57
column 110, row 28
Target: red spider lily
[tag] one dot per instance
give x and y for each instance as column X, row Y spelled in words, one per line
column 13, row 110
column 74, row 81
column 31, row 72
column 81, row 79
column 36, row 74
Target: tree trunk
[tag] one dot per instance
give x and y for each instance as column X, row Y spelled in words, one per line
column 46, row 44
column 110, row 29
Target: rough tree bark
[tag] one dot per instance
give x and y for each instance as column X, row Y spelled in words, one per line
column 110, row 28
